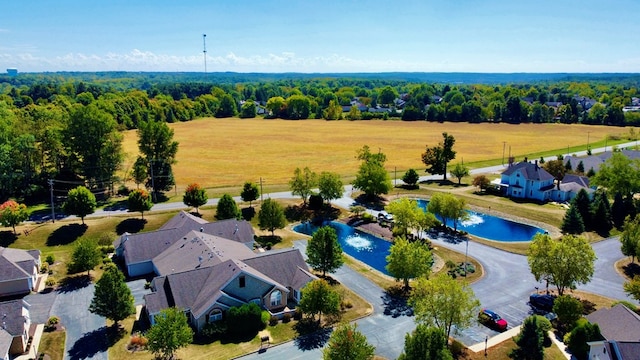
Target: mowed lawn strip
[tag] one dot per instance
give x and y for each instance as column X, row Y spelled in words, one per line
column 228, row 152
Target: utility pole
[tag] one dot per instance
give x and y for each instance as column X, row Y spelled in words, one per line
column 261, row 189
column 395, row 176
column 53, row 209
column 153, row 183
column 504, row 144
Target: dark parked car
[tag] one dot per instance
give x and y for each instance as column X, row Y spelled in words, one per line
column 542, row 301
column 492, row 320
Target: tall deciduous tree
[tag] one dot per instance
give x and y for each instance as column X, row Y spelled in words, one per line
column 250, row 192
column 346, row 342
column 195, row 196
column 630, row 237
column 139, row 200
column 405, row 214
column 330, row 186
column 12, row 214
column 324, row 251
column 139, row 172
column 156, row 144
column 459, row 171
column 85, row 256
column 448, row 207
column 443, row 302
column 633, row 287
column 169, row 333
column 302, row 183
column 271, row 216
column 426, row 342
column 319, row 298
column 619, row 174
column 437, row 157
column 408, row 260
column 372, row 178
column 112, row 297
column 227, row 208
column 80, row 202
column 94, row 144
column 564, row 263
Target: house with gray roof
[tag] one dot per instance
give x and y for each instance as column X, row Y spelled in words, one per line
column 19, row 269
column 139, row 250
column 206, row 268
column 14, row 328
column 272, row 280
column 620, row 327
column 570, row 186
column 526, row 180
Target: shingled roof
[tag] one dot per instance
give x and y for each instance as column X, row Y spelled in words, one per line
column 198, row 250
column 11, row 319
column 529, row 171
column 17, row 264
column 198, row 289
column 146, row 246
column 618, row 323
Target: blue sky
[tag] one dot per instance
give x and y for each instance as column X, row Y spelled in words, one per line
column 321, row 36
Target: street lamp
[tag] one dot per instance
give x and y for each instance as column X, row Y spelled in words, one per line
column 466, row 251
column 486, row 340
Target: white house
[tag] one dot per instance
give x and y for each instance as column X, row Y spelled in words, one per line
column 527, row 180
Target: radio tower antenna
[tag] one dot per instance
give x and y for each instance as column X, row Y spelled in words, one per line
column 204, row 51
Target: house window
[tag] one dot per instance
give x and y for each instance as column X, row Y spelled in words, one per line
column 241, row 279
column 215, row 315
column 276, row 298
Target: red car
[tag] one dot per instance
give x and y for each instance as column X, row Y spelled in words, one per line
column 492, row 320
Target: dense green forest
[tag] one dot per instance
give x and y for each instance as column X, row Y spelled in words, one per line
column 66, row 126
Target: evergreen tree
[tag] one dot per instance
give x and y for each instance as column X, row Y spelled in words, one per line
column 582, row 203
column 530, row 341
column 601, row 213
column 618, row 211
column 580, row 335
column 112, row 297
column 580, row 167
column 572, row 222
column 324, row 251
column 227, row 208
column 411, row 177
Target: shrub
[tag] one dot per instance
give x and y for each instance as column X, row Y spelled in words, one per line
column 368, row 217
column 51, row 323
column 286, row 318
column 108, row 249
column 106, row 261
column 346, row 304
column 50, row 282
column 50, row 259
column 245, row 319
column 273, row 321
column 457, row 348
column 147, row 285
column 298, row 314
column 44, row 268
column 123, row 190
column 50, row 272
column 214, row 330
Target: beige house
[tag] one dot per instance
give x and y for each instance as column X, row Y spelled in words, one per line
column 14, row 328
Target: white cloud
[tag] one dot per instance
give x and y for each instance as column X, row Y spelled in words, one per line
column 140, row 60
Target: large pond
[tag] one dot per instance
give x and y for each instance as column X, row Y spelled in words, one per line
column 493, row 227
column 367, row 248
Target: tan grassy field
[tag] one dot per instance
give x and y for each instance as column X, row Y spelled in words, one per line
column 228, row 152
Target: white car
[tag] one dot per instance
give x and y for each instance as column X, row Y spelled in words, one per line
column 385, row 217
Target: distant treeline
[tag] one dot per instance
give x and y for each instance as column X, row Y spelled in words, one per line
column 44, row 116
